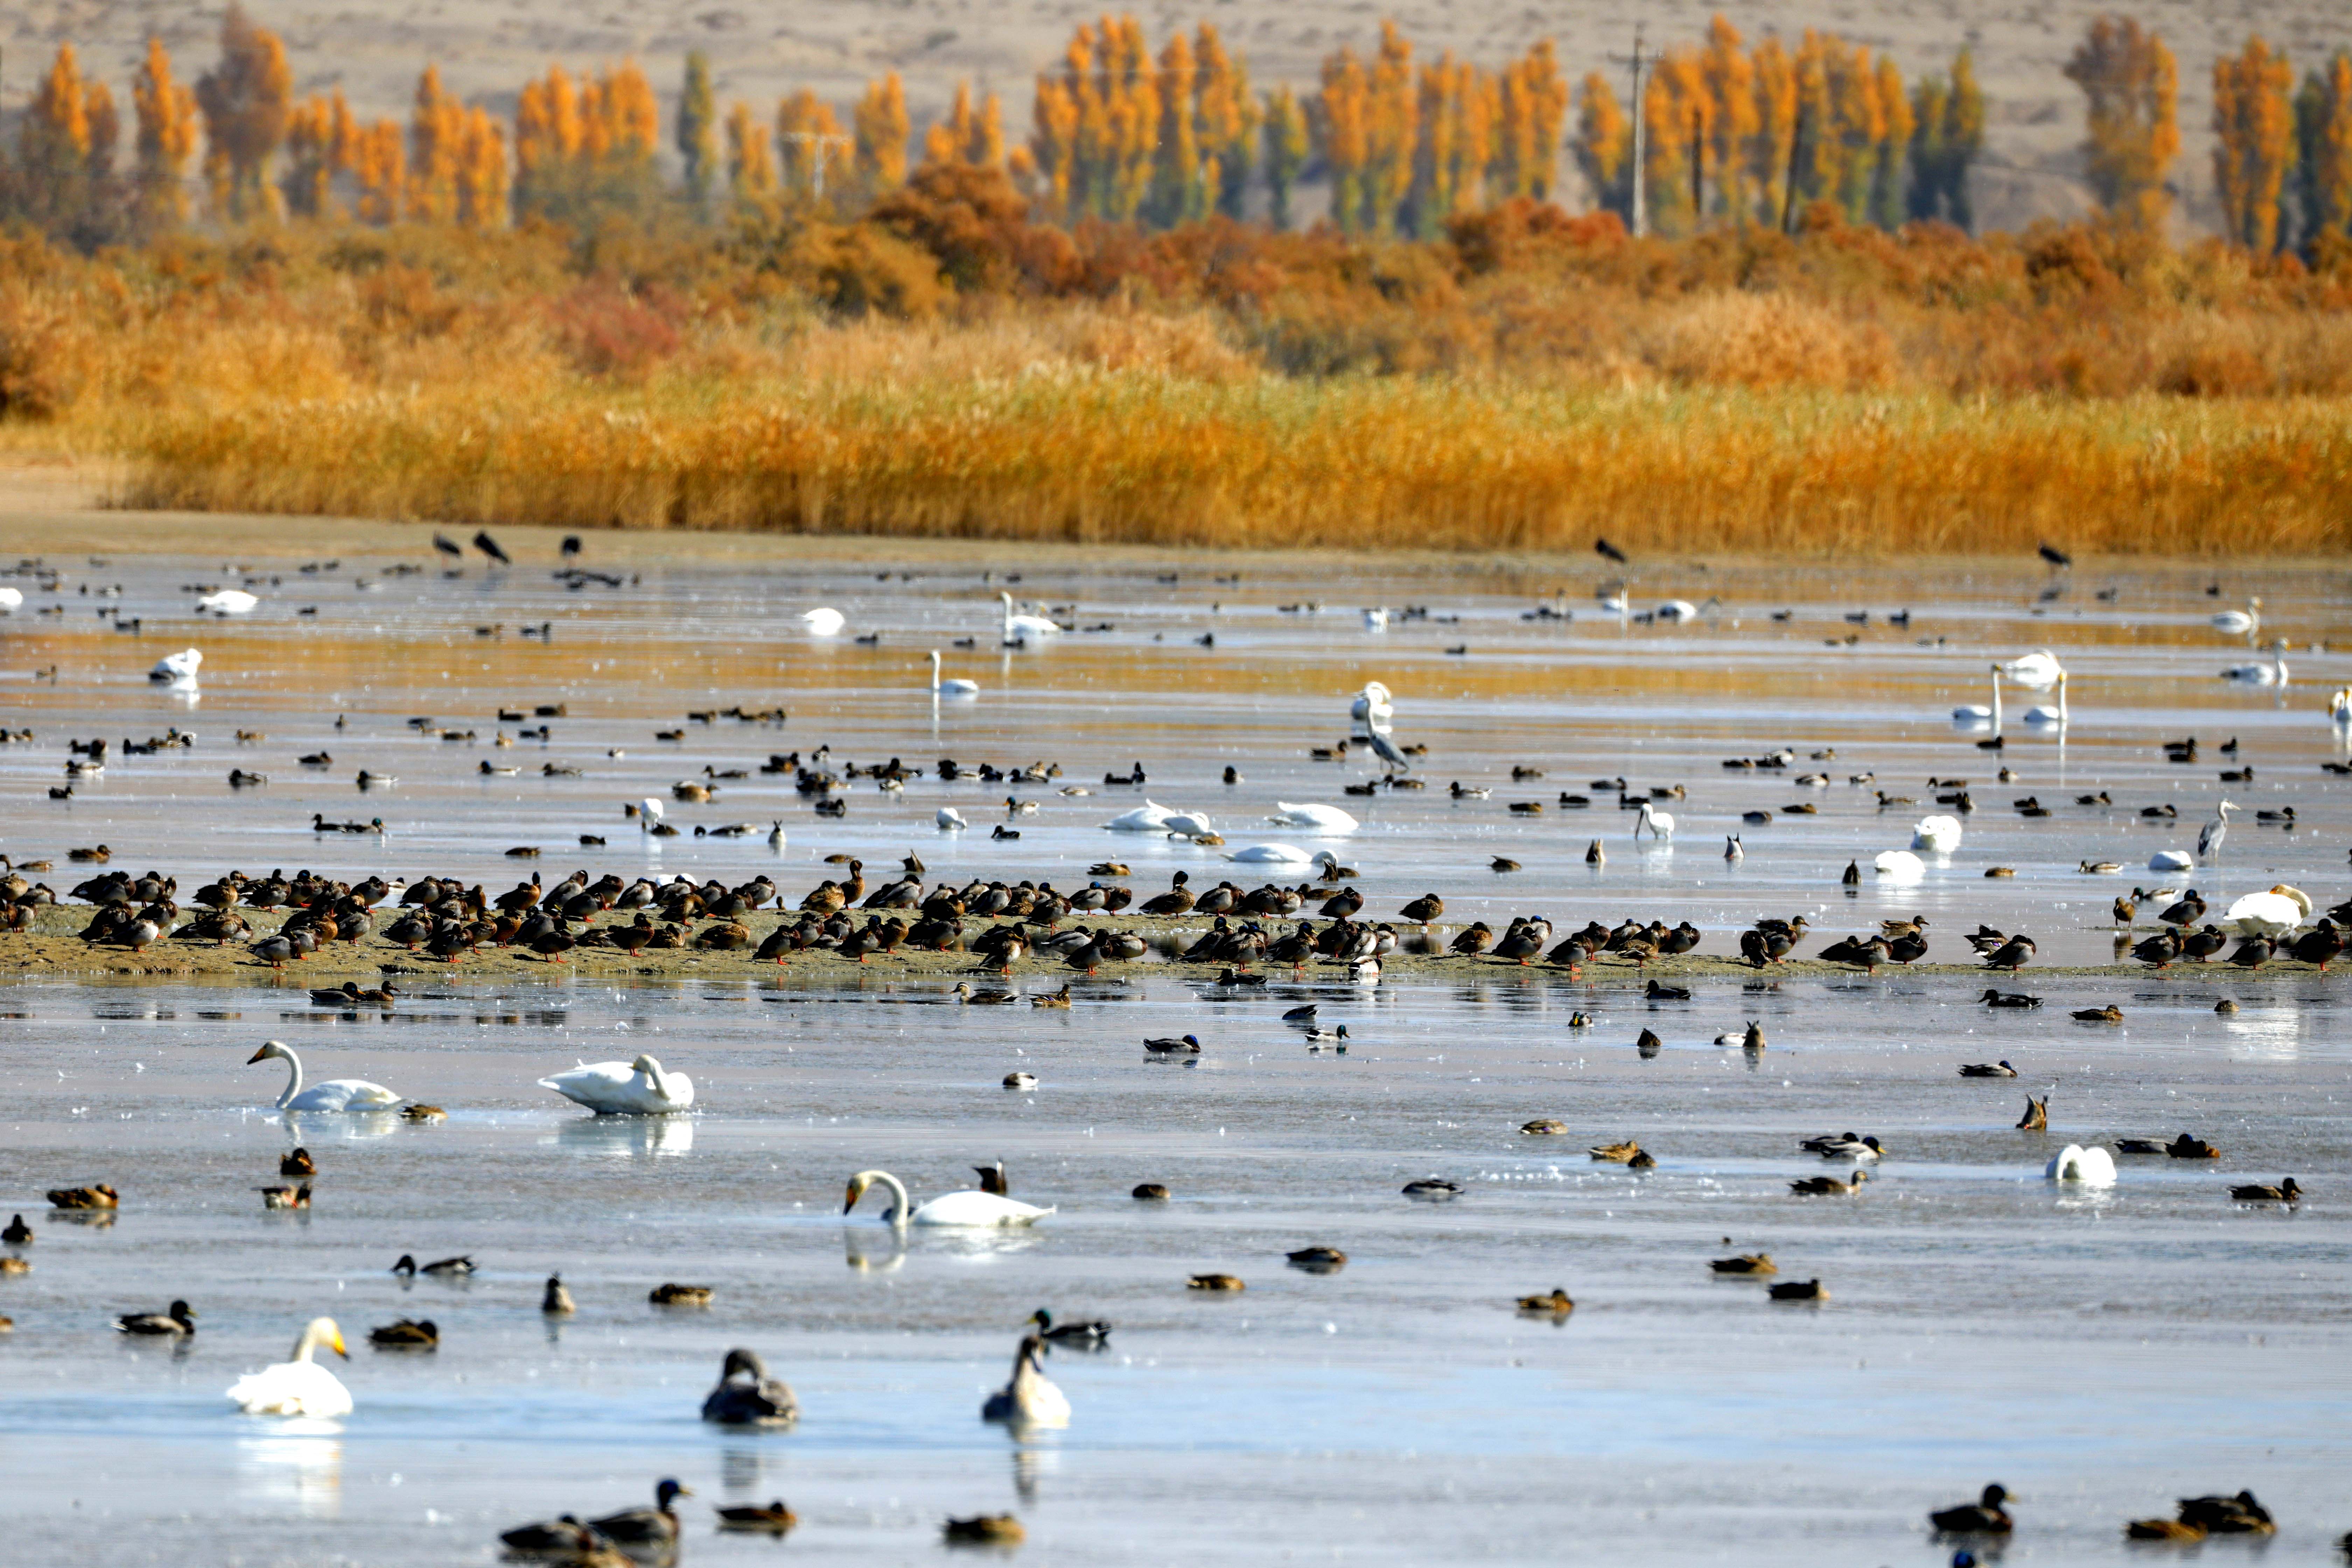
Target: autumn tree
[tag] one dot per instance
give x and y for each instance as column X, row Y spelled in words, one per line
column 437, row 136
column 1947, row 134
column 1604, row 146
column 577, row 151
column 1773, row 80
column 1225, row 119
column 1179, row 191
column 1675, row 132
column 65, row 151
column 1530, row 116
column 1888, row 200
column 166, row 140
column 245, row 101
column 1338, row 116
column 1392, row 133
column 2253, row 141
column 750, row 158
column 1288, row 143
column 380, row 171
column 2323, row 126
column 1734, row 118
column 814, row 154
column 550, row 144
column 968, row 135
column 882, row 132
column 2133, row 134
column 308, row 185
column 698, row 129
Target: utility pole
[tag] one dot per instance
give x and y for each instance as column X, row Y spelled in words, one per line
column 1641, row 61
column 820, row 140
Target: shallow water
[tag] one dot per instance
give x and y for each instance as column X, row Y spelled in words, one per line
column 2099, row 1352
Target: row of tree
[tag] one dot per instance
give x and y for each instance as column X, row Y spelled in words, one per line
column 1729, row 135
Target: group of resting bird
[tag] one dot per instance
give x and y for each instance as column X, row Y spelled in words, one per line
column 2194, row 1518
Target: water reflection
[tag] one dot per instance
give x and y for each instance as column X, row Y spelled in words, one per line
column 625, row 1137
column 297, row 1462
column 871, row 1250
column 350, row 1126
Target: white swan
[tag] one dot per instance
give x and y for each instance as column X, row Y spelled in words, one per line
column 1020, row 627
column 638, row 1087
column 1281, row 855
column 1189, row 824
column 2046, row 717
column 11, row 601
column 227, row 602
column 1901, row 864
column 334, row 1094
column 181, row 666
column 2236, row 623
column 299, row 1386
column 823, row 622
column 1660, row 825
column 2339, row 708
column 2171, row 861
column 2273, row 913
column 2274, row 673
column 1148, row 817
column 1677, row 610
column 1329, row 820
column 2036, row 671
column 649, row 814
column 951, row 688
column 2093, row 1167
column 1376, row 620
column 1030, row 1399
column 1976, row 713
column 970, row 1208
column 949, row 819
column 1936, row 835
column 1615, row 598
column 1372, row 711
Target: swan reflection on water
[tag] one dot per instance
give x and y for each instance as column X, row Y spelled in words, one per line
column 870, row 1251
column 298, row 1462
column 625, row 1137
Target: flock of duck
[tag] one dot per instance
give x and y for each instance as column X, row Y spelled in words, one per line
column 1002, row 922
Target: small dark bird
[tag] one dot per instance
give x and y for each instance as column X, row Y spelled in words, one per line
column 489, row 547
column 1989, row 1069
column 298, row 1164
column 1992, row 999
column 1985, row 1516
column 1608, row 551
column 2055, row 556
column 571, row 545
column 448, row 546
column 1799, row 1291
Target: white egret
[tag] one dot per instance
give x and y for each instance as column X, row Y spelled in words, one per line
column 824, row 622
column 951, row 688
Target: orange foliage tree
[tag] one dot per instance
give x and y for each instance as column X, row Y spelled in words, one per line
column 2253, row 132
column 882, row 132
column 65, row 150
column 2133, row 131
column 2323, row 127
column 245, row 101
column 166, row 140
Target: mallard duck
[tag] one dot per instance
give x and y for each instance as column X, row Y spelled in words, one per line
column 2186, row 1148
column 1022, row 1080
column 298, row 1164
column 1828, row 1187
column 1214, row 1282
column 1799, row 1291
column 1617, row 1152
column 277, row 1198
column 556, row 1301
column 18, row 1233
column 566, row 1540
column 1149, row 1192
column 1845, row 1146
column 1544, row 1127
column 1093, row 1332
column 2110, row 1014
column 344, row 995
column 1432, row 1188
column 2239, row 1515
column 443, row 1269
column 100, row 1196
column 2037, row 1115
column 2286, row 1192
column 407, row 1334
column 654, row 1524
column 1746, row 1263
column 1989, row 1069
column 1642, row 1160
column 1983, row 1517
column 1188, row 1043
column 1316, row 1259
column 422, row 1113
column 1648, row 1043
column 747, row 1395
column 675, row 1295
column 14, row 1266
column 2139, row 1145
column 1557, row 1303
column 2170, row 1530
column 1657, row 992
column 985, row 1530
column 1992, row 999
column 177, row 1321
column 774, row 1520
column 1053, row 999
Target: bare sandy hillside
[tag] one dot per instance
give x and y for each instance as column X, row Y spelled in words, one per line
column 373, row 49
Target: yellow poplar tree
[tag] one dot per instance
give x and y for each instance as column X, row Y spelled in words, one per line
column 1339, row 113
column 800, row 118
column 882, row 132
column 244, row 101
column 1604, row 145
column 437, row 134
column 1775, row 134
column 1288, row 142
column 1227, row 119
column 166, row 112
column 2254, row 142
column 2133, row 131
column 1729, row 76
column 750, row 158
